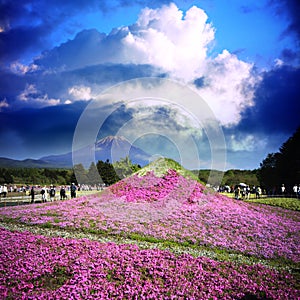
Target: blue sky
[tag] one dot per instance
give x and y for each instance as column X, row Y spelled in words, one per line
column 234, row 64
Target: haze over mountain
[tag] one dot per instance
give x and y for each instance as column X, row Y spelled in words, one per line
column 112, row 148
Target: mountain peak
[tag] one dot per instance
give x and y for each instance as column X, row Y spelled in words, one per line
column 115, row 147
column 112, row 138
column 111, row 147
column 115, row 141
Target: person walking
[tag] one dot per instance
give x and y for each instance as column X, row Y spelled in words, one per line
column 295, row 190
column 4, row 191
column 282, row 189
column 52, row 193
column 62, row 193
column 258, row 192
column 44, row 194
column 73, row 190
column 32, row 194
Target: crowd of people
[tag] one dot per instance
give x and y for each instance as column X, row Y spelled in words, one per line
column 243, row 191
column 48, row 193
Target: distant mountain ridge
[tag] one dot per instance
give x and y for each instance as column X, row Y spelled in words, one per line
column 26, row 163
column 112, row 148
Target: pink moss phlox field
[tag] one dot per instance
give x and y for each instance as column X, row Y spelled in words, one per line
column 142, row 205
column 151, row 188
column 38, row 267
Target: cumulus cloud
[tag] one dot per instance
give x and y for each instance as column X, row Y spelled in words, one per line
column 80, row 92
column 244, row 142
column 172, row 41
column 228, row 86
column 18, row 68
column 175, row 43
column 32, row 96
column 163, row 38
column 155, row 106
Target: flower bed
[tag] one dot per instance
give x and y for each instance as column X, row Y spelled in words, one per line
column 150, row 188
column 173, row 208
column 171, row 211
column 38, row 267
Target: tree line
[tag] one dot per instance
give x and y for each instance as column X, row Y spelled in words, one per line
column 109, row 174
column 230, row 177
column 282, row 167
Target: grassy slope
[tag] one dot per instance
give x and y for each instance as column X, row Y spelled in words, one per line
column 161, row 166
column 287, row 203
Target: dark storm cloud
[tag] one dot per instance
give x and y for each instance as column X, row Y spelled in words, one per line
column 28, row 24
column 290, row 9
column 89, row 47
column 32, row 131
column 56, row 85
column 277, row 104
column 16, row 41
column 289, row 55
column 10, row 85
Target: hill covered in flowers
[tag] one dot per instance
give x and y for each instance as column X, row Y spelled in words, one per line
column 156, row 234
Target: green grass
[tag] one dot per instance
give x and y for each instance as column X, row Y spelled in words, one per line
column 288, row 203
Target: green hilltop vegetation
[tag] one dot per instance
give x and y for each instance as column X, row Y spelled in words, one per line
column 161, row 166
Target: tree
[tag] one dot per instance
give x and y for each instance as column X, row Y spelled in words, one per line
column 93, row 175
column 107, row 172
column 124, row 167
column 282, row 167
column 80, row 173
column 288, row 163
column 268, row 174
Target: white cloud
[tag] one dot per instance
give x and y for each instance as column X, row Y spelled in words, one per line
column 163, row 37
column 173, row 42
column 31, row 95
column 21, row 69
column 80, row 92
column 178, row 44
column 229, row 87
column 166, row 39
column 3, row 103
column 247, row 142
column 157, row 107
column 278, row 62
column 29, row 91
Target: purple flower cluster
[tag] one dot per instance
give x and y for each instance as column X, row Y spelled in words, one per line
column 174, row 208
column 38, row 267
